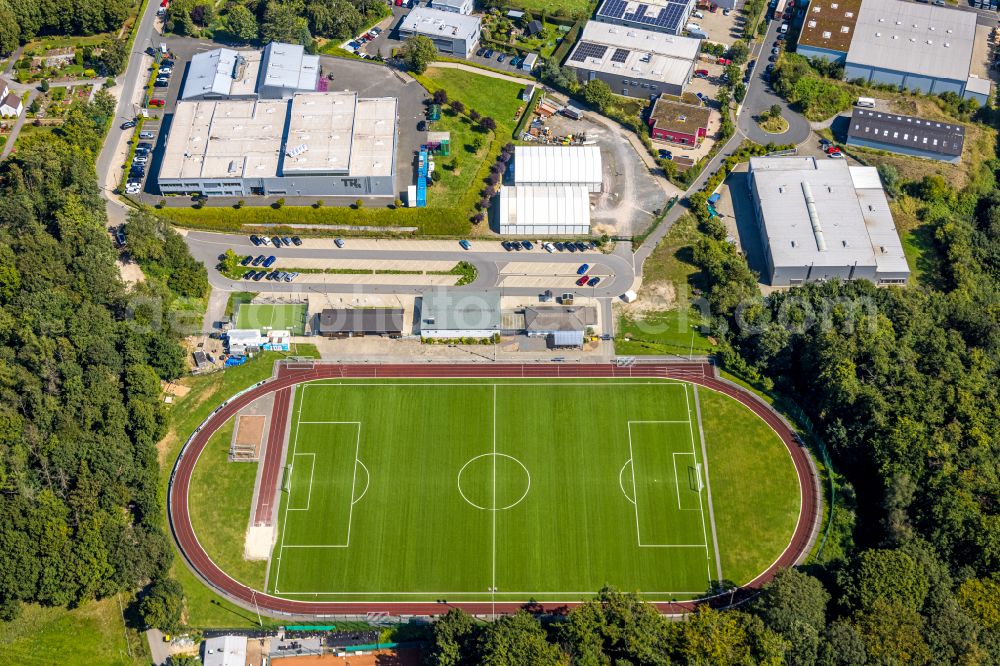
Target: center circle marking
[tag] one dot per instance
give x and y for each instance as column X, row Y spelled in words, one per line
column 527, row 475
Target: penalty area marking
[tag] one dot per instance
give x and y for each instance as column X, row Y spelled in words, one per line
column 621, row 483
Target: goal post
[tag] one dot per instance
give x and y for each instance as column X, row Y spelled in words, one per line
column 698, row 479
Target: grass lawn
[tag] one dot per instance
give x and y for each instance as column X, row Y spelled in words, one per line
column 238, row 298
column 755, row 490
column 663, row 320
column 568, row 8
column 544, row 514
column 491, row 97
column 203, row 607
column 290, row 317
column 773, row 124
column 222, row 493
column 91, row 634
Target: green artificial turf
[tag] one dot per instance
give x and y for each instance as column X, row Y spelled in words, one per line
column 390, row 490
column 285, row 317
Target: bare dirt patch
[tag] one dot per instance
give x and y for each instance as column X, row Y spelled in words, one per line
column 656, row 297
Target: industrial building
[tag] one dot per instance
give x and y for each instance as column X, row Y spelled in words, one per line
column 278, row 72
column 678, row 122
column 359, row 322
column 634, row 62
column 906, row 135
column 329, row 143
column 452, row 33
column 542, row 210
column 225, row 651
column 558, row 165
column 821, row 219
column 450, row 314
column 287, row 69
column 915, row 46
column 457, row 6
column 669, row 16
column 222, row 74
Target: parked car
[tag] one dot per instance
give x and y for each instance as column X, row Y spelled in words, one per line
column 488, row 54
column 560, row 246
column 259, row 275
column 666, row 154
column 287, row 241
column 507, row 246
column 249, row 274
column 501, row 57
column 582, row 281
column 528, row 245
column 549, row 247
column 582, row 270
column 829, row 148
column 146, row 134
column 265, row 241
column 836, row 154
column 339, row 242
column 296, row 241
column 258, row 260
column 592, row 282
column 129, row 124
column 269, row 261
column 701, row 73
column 517, row 245
column 255, row 240
column 571, row 247
column 376, row 31
column 140, row 159
column 775, row 51
column 581, row 246
column 166, row 71
column 480, row 53
column 698, row 15
column 725, row 12
column 276, row 240
column 824, row 143
column 156, row 102
column 466, row 245
column 245, row 261
column 725, row 61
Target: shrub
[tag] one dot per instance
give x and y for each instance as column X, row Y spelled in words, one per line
column 318, row 204
column 359, row 204
column 278, row 204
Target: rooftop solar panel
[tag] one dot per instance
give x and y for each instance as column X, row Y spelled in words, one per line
column 586, row 50
column 667, row 18
column 613, row 8
column 620, row 55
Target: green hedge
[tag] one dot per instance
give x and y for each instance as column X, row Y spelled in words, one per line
column 428, row 221
column 568, row 42
column 529, row 113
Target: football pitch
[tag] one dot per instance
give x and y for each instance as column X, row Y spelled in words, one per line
column 278, row 317
column 514, row 489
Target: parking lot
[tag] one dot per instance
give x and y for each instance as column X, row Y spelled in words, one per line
column 368, row 79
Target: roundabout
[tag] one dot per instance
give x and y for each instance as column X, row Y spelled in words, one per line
column 522, row 481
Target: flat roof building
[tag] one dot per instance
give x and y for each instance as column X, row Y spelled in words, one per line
column 287, row 69
column 634, row 62
column 678, row 122
column 457, row 6
column 222, row 74
column 917, row 46
column 543, row 210
column 451, row 32
column 822, row 219
column 669, row 16
column 359, row 322
column 559, row 165
column 542, row 320
column 225, row 651
column 330, row 143
column 906, row 135
column 449, row 314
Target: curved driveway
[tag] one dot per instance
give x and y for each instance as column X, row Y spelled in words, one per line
column 760, row 98
column 803, row 536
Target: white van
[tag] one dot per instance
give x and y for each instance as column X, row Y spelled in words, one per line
column 692, row 26
column 866, row 102
column 784, row 28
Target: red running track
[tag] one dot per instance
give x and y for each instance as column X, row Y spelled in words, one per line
column 699, row 373
column 270, row 477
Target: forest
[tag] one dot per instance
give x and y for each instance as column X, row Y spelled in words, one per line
column 292, row 21
column 23, row 20
column 81, row 359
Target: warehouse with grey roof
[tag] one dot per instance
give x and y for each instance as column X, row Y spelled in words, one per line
column 907, row 135
column 822, row 220
column 452, row 32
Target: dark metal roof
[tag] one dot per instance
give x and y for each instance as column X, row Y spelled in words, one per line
column 932, row 136
column 361, row 320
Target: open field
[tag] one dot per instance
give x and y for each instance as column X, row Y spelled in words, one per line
column 283, row 317
column 481, row 489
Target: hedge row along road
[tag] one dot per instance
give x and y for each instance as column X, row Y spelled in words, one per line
column 703, row 374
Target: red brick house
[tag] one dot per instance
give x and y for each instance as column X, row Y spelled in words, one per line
column 678, row 122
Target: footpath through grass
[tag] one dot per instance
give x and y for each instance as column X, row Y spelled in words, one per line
column 664, row 320
column 95, row 633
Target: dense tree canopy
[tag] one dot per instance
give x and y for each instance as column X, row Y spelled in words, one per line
column 22, row 20
column 80, row 413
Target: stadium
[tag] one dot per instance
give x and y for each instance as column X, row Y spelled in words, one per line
column 405, row 489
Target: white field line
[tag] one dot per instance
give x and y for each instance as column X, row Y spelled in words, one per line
column 708, row 485
column 589, row 593
column 493, row 576
column 284, row 516
column 704, row 528
column 312, row 470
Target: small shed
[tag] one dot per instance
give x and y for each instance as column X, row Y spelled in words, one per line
column 527, row 92
column 439, row 143
column 533, row 28
column 530, row 61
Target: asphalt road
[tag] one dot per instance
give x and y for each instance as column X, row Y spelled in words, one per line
column 111, row 159
column 760, row 98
